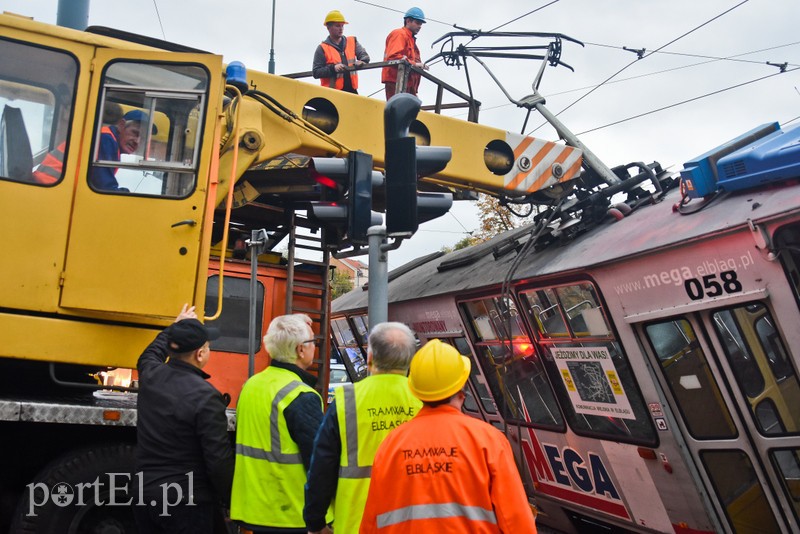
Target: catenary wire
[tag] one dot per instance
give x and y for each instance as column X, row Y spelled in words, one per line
column 709, row 21
column 688, row 100
column 711, row 59
column 158, row 15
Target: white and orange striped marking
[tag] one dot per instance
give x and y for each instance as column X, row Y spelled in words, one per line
column 542, row 155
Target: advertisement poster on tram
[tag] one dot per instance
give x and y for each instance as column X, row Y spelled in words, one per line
column 591, row 380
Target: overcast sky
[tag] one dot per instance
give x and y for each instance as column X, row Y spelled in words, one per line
column 710, row 52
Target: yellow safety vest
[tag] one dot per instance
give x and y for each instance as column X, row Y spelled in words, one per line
column 366, row 412
column 269, row 478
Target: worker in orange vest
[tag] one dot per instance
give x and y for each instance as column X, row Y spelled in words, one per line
column 444, row 471
column 402, row 44
column 337, row 56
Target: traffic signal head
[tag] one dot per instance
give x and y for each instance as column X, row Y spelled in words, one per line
column 345, row 207
column 405, row 162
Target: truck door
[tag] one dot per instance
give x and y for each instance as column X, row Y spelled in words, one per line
column 136, row 231
column 729, row 379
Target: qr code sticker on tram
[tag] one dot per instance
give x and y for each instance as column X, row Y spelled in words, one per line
column 591, row 382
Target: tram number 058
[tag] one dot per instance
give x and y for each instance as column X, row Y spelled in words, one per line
column 710, row 286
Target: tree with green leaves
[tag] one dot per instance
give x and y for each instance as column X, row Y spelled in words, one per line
column 340, row 283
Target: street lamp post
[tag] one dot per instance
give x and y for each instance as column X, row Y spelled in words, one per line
column 271, row 68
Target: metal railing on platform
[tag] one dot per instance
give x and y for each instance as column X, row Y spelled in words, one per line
column 404, row 68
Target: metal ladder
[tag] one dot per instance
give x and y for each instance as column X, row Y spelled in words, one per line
column 320, row 293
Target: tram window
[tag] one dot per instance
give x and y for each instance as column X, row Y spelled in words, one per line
column 758, row 359
column 37, row 89
column 349, row 348
column 771, row 344
column 147, row 138
column 234, row 321
column 342, row 332
column 475, row 378
column 737, row 486
column 746, row 368
column 494, row 319
column 362, row 327
column 787, row 463
column 575, row 305
column 591, row 375
column 685, row 367
column 769, row 422
column 787, row 241
column 514, row 373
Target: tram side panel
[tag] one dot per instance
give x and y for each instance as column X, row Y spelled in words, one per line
column 722, row 347
column 574, row 479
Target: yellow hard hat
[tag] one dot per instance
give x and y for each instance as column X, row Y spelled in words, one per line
column 437, row 372
column 334, row 16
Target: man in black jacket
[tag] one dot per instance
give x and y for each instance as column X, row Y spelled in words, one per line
column 184, row 453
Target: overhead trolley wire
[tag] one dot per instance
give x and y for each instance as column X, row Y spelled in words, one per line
column 711, row 59
column 685, row 102
column 598, row 86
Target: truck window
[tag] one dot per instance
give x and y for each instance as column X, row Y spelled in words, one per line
column 37, row 90
column 147, row 136
column 234, row 321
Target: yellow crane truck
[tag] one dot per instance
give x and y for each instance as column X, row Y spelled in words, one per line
column 92, row 269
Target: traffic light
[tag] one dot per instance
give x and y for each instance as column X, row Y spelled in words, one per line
column 346, row 203
column 405, row 162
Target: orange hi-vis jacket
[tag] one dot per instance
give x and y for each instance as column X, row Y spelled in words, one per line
column 401, row 42
column 448, row 473
column 49, row 171
column 333, row 56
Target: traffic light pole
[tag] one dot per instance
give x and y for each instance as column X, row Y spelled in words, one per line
column 378, row 277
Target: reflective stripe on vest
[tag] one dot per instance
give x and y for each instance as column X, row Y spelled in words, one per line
column 52, row 166
column 385, row 402
column 269, row 478
column 275, row 455
column 334, row 56
column 436, row 511
column 352, row 469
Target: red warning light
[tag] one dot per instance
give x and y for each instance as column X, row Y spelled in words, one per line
column 525, row 348
column 323, row 180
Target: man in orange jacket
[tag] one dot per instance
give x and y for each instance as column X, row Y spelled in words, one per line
column 335, row 54
column 402, row 44
column 448, row 472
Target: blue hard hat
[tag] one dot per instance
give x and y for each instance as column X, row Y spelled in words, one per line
column 415, row 13
column 139, row 116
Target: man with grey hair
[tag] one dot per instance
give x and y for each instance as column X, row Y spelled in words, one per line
column 363, row 413
column 277, row 416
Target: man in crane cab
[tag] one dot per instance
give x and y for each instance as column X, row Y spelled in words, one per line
column 402, row 44
column 115, row 139
column 183, row 451
column 335, row 54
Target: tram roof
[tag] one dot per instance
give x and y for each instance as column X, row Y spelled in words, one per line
column 647, row 229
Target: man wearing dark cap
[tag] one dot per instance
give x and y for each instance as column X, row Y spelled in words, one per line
column 184, row 453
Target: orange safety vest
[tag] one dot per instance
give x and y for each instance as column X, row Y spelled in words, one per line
column 52, row 166
column 447, row 473
column 333, row 56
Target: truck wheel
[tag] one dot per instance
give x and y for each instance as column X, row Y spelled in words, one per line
column 72, row 495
